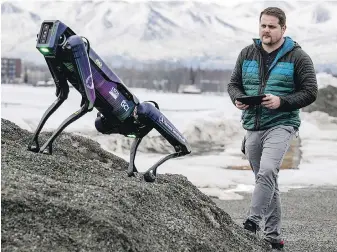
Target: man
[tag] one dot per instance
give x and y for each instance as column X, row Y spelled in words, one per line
column 277, row 67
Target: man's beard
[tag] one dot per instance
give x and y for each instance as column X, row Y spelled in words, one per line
column 271, row 42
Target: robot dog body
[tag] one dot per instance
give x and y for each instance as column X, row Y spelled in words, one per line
column 71, row 59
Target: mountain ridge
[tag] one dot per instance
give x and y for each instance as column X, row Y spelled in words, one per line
column 193, row 33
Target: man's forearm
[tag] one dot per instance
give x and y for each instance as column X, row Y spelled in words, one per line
column 234, row 91
column 306, row 85
column 299, row 99
column 235, row 88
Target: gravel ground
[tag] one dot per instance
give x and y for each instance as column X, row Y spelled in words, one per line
column 309, row 218
column 80, row 199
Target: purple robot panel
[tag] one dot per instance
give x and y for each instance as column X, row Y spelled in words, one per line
column 110, row 91
column 122, row 106
column 83, row 66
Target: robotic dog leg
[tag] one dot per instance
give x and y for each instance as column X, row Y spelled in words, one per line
column 76, row 48
column 113, row 126
column 143, row 131
column 151, row 116
column 62, row 91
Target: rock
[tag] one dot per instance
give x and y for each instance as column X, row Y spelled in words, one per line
column 80, row 199
column 326, row 101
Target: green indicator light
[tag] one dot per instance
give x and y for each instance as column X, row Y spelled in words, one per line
column 44, row 50
column 131, row 136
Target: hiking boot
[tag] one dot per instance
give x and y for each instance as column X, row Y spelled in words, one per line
column 276, row 245
column 250, row 226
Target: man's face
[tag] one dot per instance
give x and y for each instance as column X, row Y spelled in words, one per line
column 270, row 30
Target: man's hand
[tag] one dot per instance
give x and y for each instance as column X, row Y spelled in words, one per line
column 271, row 101
column 240, row 105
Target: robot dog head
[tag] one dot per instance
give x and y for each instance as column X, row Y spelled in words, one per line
column 53, row 33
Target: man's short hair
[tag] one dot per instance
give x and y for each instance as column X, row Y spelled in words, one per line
column 275, row 12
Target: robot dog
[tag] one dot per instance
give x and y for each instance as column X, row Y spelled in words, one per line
column 71, row 59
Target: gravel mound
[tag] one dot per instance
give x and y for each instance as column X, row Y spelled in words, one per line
column 80, row 199
column 326, row 101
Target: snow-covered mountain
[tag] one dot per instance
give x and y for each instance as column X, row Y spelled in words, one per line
column 194, row 33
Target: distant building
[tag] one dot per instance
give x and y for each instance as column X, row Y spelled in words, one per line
column 189, row 89
column 11, row 70
column 211, row 86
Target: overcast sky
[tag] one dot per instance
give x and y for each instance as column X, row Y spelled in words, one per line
column 222, row 2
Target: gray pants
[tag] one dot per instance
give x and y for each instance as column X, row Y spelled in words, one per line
column 265, row 151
